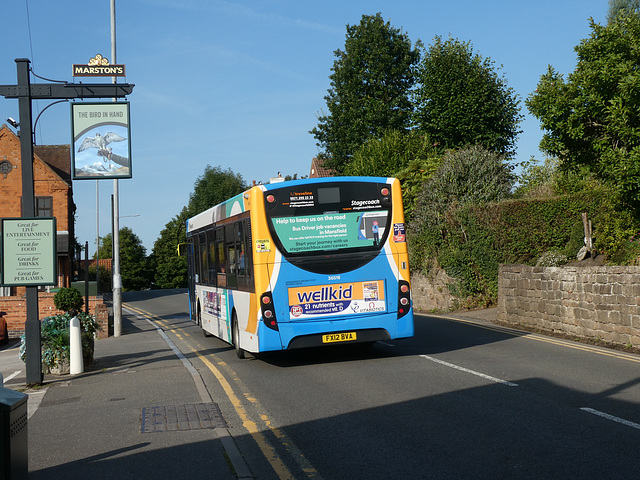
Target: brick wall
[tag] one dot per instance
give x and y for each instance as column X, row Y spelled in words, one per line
column 16, row 312
column 588, row 302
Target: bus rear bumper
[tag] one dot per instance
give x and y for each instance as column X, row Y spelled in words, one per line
column 361, row 336
column 367, row 329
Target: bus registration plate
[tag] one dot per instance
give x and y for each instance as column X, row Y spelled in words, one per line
column 339, row 337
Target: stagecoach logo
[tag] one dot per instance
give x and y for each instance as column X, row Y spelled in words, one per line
column 98, row 66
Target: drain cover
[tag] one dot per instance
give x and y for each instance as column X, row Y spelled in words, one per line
column 193, row 416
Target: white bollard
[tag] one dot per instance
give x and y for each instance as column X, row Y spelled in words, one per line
column 75, row 347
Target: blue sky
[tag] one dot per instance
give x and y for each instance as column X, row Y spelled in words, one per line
column 238, row 84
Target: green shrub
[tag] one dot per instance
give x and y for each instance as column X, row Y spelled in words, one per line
column 471, row 241
column 67, row 299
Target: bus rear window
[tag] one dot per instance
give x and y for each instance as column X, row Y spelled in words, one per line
column 342, row 217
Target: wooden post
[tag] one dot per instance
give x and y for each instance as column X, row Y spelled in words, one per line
column 588, row 232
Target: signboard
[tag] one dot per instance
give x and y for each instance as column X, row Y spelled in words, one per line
column 101, row 146
column 330, row 231
column 341, row 299
column 29, row 252
column 98, row 66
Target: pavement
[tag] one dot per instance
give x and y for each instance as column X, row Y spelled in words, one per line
column 140, row 411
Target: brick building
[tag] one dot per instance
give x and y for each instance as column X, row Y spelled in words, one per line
column 54, row 198
column 53, row 191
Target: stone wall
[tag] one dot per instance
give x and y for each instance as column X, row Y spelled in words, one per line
column 430, row 293
column 588, row 302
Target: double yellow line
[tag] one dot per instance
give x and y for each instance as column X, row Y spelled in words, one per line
column 252, row 427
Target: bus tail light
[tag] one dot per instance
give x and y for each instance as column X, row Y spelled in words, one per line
column 404, row 298
column 268, row 312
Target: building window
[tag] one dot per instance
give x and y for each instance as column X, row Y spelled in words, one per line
column 44, row 206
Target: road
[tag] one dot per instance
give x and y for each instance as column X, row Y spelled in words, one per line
column 463, row 398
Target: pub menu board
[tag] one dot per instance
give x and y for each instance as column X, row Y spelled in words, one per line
column 28, row 252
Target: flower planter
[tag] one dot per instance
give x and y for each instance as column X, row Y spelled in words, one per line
column 61, row 367
column 55, row 342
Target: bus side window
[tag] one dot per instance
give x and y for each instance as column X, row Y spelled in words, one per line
column 204, row 269
column 239, row 234
column 221, row 258
column 232, row 272
column 247, row 250
column 211, row 251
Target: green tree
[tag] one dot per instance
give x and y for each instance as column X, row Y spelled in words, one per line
column 214, row 186
column 592, row 119
column 411, row 157
column 460, row 99
column 389, row 154
column 622, row 7
column 369, row 93
column 469, row 176
column 134, row 268
column 170, row 269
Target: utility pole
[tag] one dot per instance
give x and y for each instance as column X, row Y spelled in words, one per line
column 117, row 279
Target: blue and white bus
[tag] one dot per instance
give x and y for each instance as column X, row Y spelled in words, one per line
column 302, row 263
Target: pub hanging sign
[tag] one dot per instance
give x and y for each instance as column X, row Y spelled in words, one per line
column 98, row 66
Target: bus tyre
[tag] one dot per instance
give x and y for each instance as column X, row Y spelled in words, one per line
column 236, row 337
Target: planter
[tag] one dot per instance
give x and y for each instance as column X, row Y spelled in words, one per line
column 55, row 343
column 61, row 367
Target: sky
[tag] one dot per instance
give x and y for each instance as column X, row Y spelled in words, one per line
column 238, row 84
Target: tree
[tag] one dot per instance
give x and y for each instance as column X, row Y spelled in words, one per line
column 389, row 154
column 622, row 7
column 460, row 100
column 133, row 260
column 411, row 157
column 593, row 118
column 369, row 92
column 472, row 175
column 170, row 269
column 214, row 186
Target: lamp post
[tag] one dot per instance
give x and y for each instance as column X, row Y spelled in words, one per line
column 117, row 279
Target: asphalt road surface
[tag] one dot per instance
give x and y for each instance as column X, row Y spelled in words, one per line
column 463, row 398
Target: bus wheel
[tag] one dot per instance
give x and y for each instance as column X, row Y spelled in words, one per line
column 236, row 336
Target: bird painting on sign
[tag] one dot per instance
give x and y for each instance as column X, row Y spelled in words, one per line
column 111, row 149
column 100, row 142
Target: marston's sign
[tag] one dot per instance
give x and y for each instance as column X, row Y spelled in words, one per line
column 98, row 66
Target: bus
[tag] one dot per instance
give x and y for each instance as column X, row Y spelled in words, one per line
column 302, row 263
